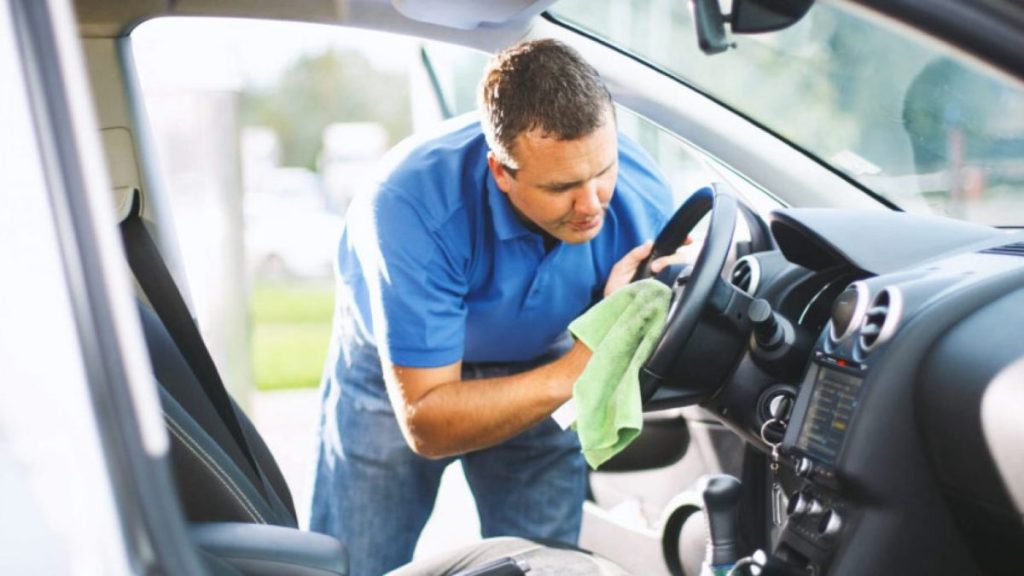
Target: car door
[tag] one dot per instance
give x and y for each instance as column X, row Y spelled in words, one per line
column 82, row 473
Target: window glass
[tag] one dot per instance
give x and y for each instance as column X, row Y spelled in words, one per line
column 458, row 71
column 685, row 167
column 926, row 129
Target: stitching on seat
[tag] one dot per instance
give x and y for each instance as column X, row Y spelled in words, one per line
column 215, row 468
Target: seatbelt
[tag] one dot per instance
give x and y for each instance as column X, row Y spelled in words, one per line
column 157, row 283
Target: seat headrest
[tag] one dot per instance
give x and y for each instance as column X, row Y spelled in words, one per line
column 122, row 168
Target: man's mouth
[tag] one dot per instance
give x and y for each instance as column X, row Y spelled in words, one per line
column 584, row 225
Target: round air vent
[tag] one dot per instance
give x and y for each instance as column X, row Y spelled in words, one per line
column 881, row 319
column 746, row 274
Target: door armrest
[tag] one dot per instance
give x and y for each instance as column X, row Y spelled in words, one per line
column 265, row 550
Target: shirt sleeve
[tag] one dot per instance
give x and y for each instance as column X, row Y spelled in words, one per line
column 416, row 285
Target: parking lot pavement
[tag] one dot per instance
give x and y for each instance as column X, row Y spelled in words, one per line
column 287, row 420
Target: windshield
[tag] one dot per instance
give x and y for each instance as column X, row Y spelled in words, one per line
column 920, row 126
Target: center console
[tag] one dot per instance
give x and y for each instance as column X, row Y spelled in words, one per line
column 820, row 421
column 822, row 415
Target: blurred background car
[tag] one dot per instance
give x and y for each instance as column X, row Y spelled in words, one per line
column 291, row 232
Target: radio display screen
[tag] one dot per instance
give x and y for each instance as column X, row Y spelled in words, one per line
column 829, row 412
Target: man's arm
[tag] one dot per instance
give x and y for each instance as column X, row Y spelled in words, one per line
column 442, row 415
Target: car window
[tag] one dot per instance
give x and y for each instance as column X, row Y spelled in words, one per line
column 685, row 167
column 264, row 132
column 925, row 128
column 457, row 71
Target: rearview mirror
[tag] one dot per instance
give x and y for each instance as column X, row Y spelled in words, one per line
column 747, row 17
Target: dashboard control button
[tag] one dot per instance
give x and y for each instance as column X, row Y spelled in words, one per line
column 804, row 467
column 798, row 505
column 831, row 524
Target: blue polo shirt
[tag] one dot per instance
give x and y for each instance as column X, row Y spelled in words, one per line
column 435, row 265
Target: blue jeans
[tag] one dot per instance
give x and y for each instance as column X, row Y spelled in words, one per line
column 373, row 493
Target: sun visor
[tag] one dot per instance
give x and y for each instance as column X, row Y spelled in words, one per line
column 469, row 14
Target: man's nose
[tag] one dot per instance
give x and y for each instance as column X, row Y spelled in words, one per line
column 588, row 199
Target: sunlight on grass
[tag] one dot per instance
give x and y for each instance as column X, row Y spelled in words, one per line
column 290, row 333
column 281, row 303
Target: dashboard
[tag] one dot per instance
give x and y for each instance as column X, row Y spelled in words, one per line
column 902, row 445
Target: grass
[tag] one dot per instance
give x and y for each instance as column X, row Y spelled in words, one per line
column 291, row 329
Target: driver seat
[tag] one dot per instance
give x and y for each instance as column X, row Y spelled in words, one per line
column 231, row 489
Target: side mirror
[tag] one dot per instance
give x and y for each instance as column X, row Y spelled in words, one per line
column 747, row 17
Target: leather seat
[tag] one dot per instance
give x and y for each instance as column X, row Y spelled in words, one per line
column 230, row 487
column 215, row 483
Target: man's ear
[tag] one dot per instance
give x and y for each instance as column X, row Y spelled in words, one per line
column 501, row 176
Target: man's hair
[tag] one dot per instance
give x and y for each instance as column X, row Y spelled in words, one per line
column 540, row 84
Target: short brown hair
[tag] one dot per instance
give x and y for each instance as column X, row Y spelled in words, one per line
column 540, row 84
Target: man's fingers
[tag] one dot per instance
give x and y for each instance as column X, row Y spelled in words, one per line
column 642, row 251
column 686, row 253
column 659, row 264
column 624, row 269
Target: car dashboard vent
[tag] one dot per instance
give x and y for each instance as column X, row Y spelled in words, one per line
column 746, row 275
column 1015, row 249
column 880, row 319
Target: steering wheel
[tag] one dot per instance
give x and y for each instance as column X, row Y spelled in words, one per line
column 693, row 289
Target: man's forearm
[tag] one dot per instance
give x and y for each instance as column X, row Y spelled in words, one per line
column 462, row 416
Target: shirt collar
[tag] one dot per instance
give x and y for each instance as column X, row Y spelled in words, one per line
column 507, row 223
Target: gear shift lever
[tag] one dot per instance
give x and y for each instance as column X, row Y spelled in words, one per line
column 721, row 494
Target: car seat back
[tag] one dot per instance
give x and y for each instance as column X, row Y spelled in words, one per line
column 223, row 468
column 215, row 482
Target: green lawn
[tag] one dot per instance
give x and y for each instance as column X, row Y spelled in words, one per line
column 290, row 333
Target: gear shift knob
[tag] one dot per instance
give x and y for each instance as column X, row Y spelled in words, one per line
column 721, row 494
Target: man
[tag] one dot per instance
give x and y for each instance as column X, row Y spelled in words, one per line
column 457, row 279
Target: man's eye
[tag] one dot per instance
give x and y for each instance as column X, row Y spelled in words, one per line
column 559, row 189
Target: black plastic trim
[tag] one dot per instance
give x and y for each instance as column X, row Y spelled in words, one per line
column 988, row 29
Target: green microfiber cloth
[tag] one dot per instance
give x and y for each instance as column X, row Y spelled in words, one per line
column 620, row 331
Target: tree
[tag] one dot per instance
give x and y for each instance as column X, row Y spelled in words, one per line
column 330, row 87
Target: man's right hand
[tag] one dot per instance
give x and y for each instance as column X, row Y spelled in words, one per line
column 625, row 268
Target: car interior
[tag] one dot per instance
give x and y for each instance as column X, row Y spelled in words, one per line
column 856, row 367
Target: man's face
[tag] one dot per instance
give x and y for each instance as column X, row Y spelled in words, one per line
column 563, row 186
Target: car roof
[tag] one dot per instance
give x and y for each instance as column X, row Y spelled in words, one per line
column 989, row 29
column 485, row 25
